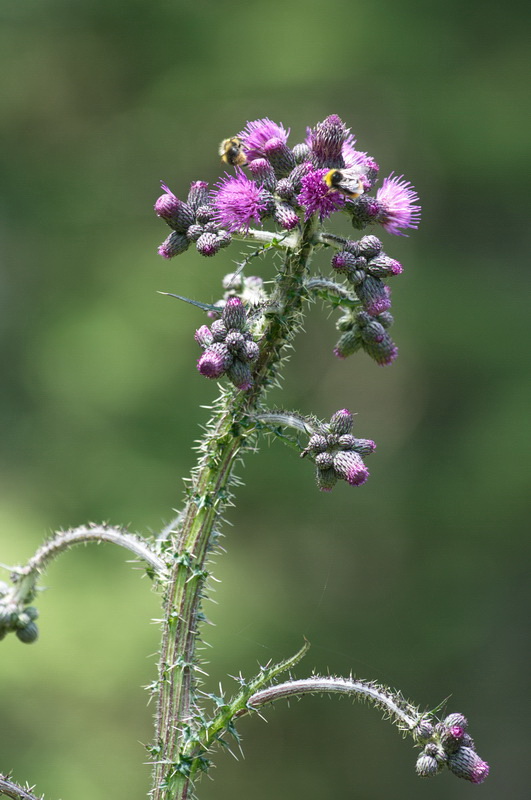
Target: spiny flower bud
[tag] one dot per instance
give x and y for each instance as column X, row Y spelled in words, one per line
column 326, row 479
column 174, row 212
column 207, row 244
column 251, row 351
column 215, row 360
column 369, row 246
column 219, row 330
column 468, row 765
column 427, row 766
column 301, row 152
column 349, row 465
column 348, row 344
column 341, row 422
column 194, row 232
column 174, row 245
column 326, row 141
column 384, row 267
column 28, row 634
column 279, row 156
column 240, row 374
column 235, row 341
column 263, row 173
column 324, row 460
column 374, row 295
column 234, row 315
column 198, row 195
column 286, row 216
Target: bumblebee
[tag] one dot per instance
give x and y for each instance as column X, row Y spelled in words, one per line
column 346, row 181
column 231, row 152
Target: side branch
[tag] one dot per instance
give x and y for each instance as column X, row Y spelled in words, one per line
column 405, row 714
column 26, row 577
column 13, row 790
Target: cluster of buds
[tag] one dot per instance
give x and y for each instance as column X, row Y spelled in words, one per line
column 286, row 184
column 249, row 289
column 362, row 330
column 229, row 348
column 365, row 266
column 337, row 454
column 190, row 221
column 13, row 618
column 450, row 745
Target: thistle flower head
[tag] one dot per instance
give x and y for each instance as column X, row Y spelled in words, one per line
column 315, row 195
column 237, row 202
column 398, row 205
column 258, row 133
column 326, row 141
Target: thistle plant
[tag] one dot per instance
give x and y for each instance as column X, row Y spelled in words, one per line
column 277, row 200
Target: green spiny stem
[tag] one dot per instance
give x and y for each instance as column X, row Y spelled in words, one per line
column 236, row 707
column 208, row 495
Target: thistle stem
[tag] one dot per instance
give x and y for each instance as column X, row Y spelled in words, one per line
column 208, row 494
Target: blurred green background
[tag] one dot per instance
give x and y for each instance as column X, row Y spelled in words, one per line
column 418, row 579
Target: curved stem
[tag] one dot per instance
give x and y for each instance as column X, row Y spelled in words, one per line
column 13, row 790
column 402, row 712
column 209, row 493
column 26, row 577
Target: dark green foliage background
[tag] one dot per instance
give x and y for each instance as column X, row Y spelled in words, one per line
column 420, row 578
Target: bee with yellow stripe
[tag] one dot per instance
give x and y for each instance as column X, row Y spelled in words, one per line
column 231, row 152
column 347, row 181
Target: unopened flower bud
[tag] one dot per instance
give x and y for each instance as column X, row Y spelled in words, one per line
column 369, row 246
column 279, row 156
column 364, row 446
column 455, row 719
column 174, row 212
column 219, row 330
column 427, row 766
column 384, row 267
column 174, row 245
column 234, row 315
column 198, row 195
column 251, row 350
column 215, row 361
column 468, row 765
column 317, row 443
column 224, row 238
column 263, row 173
column 207, row 244
column 347, row 441
column 286, row 216
column 326, row 479
column 341, row 422
column 194, row 232
column 28, row 634
column 349, row 465
column 204, row 214
column 324, row 460
column 348, row 344
column 374, row 295
column 301, row 152
column 240, row 375
column 235, row 341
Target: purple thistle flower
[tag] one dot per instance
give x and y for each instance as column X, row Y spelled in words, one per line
column 237, row 202
column 258, row 133
column 207, row 244
column 315, row 195
column 398, row 202
column 355, row 158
